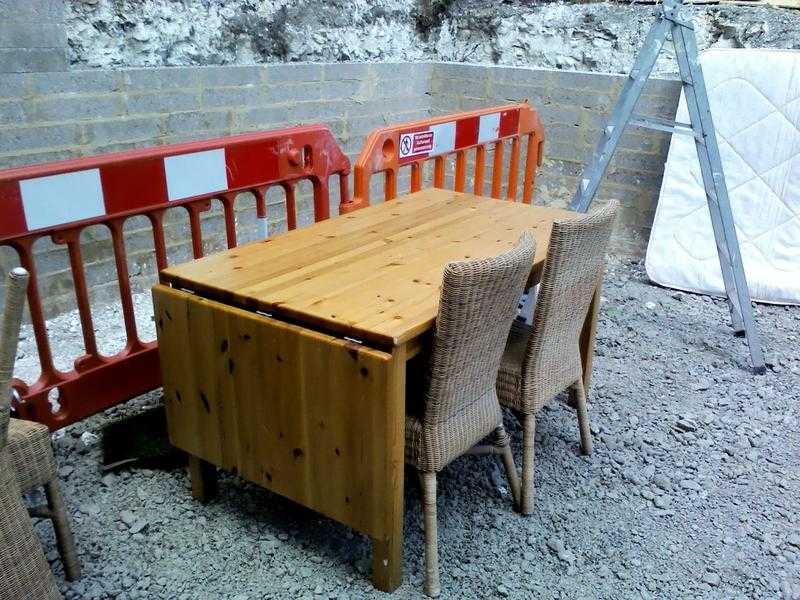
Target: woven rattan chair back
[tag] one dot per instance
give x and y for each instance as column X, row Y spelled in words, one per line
column 478, row 302
column 9, row 338
column 573, row 268
column 24, row 568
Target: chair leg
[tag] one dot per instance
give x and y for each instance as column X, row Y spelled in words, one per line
column 528, row 442
column 428, row 481
column 503, row 442
column 64, row 539
column 583, row 416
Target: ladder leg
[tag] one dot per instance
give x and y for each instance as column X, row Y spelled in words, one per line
column 593, row 173
column 690, row 90
column 716, row 191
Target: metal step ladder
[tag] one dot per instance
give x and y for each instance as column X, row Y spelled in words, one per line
column 669, row 24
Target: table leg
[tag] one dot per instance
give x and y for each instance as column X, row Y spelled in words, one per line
column 203, row 476
column 588, row 335
column 387, row 553
column 387, row 562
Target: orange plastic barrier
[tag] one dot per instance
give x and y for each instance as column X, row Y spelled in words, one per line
column 389, row 149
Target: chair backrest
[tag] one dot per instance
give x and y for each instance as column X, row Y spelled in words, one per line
column 60, row 200
column 26, row 572
column 391, row 150
column 9, row 338
column 478, row 302
column 572, row 270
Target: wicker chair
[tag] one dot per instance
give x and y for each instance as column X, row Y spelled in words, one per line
column 542, row 360
column 459, row 404
column 27, row 448
column 24, row 568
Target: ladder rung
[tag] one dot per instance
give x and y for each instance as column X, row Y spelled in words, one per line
column 660, row 124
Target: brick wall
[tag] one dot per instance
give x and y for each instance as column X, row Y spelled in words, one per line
column 54, row 115
column 51, row 116
column 32, row 36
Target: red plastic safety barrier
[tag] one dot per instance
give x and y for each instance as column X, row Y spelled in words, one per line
column 412, row 144
column 60, row 199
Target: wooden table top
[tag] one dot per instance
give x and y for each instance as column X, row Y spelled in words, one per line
column 374, row 274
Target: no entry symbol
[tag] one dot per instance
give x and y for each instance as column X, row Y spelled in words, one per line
column 405, row 145
column 413, row 144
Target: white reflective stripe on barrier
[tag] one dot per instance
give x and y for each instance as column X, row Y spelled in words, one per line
column 64, row 198
column 195, row 174
column 489, row 128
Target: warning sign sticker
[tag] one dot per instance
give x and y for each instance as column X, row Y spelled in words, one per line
column 412, row 144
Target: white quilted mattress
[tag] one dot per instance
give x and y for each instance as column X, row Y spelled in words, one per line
column 755, row 103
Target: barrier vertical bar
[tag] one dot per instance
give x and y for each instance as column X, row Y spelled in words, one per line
column 438, row 172
column 123, row 280
column 322, row 204
column 530, row 169
column 511, row 192
column 229, row 213
column 497, row 169
column 416, row 177
column 480, row 167
column 461, row 171
column 156, row 219
column 72, row 240
column 24, row 248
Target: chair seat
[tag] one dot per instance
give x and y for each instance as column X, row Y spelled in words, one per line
column 431, row 449
column 31, row 453
column 509, row 377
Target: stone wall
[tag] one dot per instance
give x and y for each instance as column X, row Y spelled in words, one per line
column 56, row 115
column 589, row 36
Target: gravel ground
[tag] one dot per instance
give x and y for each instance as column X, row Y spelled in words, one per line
column 692, row 491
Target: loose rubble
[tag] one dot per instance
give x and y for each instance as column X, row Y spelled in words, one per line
column 693, row 490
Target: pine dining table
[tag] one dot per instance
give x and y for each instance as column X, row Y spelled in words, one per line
column 284, row 360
